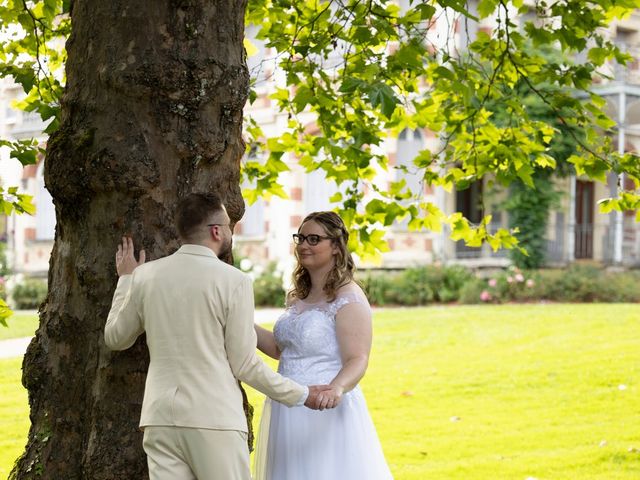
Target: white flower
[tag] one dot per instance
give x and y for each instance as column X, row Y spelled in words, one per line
column 245, row 264
column 259, row 269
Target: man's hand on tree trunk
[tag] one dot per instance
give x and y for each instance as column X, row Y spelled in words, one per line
column 125, row 257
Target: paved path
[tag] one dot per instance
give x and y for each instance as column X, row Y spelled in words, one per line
column 16, row 347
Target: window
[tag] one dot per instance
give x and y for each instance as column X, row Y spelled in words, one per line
column 469, row 203
column 409, row 146
column 318, row 191
column 253, row 220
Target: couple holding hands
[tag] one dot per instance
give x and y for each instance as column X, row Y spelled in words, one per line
column 197, row 313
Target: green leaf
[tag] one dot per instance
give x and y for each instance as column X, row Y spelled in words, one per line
column 426, row 11
column 487, row 7
column 598, row 55
column 382, row 95
column 5, row 312
column 304, row 96
column 350, row 85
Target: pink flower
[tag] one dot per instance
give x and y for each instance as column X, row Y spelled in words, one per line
column 485, row 296
column 530, row 283
column 519, row 277
column 509, row 279
column 493, row 282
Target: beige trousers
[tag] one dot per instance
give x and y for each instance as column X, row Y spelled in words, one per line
column 179, row 453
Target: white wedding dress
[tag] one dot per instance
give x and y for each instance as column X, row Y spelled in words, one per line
column 302, row 444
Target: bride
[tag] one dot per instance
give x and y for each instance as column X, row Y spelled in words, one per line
column 324, row 337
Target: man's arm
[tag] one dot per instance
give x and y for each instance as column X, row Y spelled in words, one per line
column 240, row 343
column 124, row 323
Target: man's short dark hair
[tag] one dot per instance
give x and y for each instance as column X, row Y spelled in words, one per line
column 194, row 211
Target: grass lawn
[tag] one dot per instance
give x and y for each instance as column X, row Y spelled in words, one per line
column 550, row 392
column 14, row 414
column 21, row 324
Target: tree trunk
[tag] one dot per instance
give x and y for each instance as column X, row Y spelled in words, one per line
column 152, row 111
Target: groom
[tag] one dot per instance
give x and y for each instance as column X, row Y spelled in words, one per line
column 197, row 312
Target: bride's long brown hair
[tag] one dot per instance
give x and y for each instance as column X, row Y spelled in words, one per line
column 344, row 268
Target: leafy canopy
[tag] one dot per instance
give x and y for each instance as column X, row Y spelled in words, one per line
column 361, row 72
column 32, row 55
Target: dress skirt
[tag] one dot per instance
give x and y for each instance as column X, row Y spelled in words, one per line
column 296, row 443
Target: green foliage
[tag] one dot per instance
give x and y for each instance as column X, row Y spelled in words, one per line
column 509, row 285
column 338, row 66
column 267, row 287
column 33, row 55
column 4, row 265
column 530, row 202
column 433, row 284
column 29, row 294
column 5, row 311
column 589, row 283
column 529, row 210
column 471, row 292
column 415, row 286
column 577, row 283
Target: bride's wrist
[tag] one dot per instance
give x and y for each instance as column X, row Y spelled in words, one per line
column 339, row 388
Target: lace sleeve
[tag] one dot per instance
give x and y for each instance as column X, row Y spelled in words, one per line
column 347, row 298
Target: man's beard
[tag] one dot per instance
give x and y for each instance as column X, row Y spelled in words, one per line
column 225, row 248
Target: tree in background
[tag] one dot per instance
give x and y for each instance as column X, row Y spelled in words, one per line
column 529, row 208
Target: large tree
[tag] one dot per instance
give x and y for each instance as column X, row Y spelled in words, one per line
column 152, row 110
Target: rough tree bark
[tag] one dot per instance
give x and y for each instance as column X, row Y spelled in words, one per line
column 152, row 111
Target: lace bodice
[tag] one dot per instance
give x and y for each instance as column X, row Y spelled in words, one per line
column 306, row 336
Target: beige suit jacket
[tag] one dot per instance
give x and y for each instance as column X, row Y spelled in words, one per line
column 197, row 312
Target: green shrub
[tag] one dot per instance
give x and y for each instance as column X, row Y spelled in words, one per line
column 377, row 287
column 577, row 283
column 29, row 294
column 624, row 287
column 454, row 278
column 589, row 283
column 511, row 285
column 415, row 286
column 267, row 288
column 471, row 291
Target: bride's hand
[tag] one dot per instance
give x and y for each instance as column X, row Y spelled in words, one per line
column 330, row 398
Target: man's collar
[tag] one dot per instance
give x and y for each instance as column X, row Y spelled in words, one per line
column 192, row 249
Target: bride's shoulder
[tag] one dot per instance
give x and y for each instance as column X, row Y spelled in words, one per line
column 352, row 292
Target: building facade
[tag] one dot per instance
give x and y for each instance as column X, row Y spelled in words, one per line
column 576, row 230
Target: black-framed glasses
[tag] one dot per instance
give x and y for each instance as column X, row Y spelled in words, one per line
column 311, row 239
